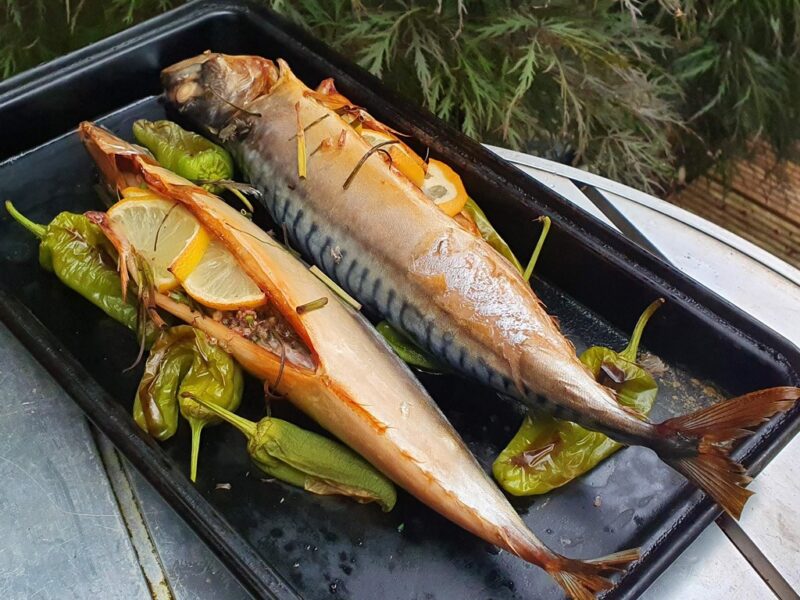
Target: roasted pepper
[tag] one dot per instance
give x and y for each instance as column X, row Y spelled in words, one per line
column 407, row 350
column 76, row 250
column 183, row 361
column 155, row 408
column 547, row 452
column 189, row 155
column 308, row 460
column 215, row 377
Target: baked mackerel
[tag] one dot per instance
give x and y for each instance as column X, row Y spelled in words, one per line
column 374, row 232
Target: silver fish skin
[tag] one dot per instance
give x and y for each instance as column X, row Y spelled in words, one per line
column 386, row 243
column 412, row 444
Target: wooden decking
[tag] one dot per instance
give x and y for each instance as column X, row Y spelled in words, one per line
column 758, row 199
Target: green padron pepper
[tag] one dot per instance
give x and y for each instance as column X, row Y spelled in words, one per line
column 489, row 233
column 216, row 378
column 156, row 406
column 407, row 350
column 189, row 155
column 76, row 250
column 308, row 460
column 184, row 361
column 547, row 452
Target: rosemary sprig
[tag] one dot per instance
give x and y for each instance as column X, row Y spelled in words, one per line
column 334, row 287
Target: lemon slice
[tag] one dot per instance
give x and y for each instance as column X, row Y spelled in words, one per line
column 444, row 187
column 219, row 282
column 162, row 231
column 403, row 157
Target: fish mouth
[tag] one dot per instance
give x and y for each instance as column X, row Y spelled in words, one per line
column 214, row 88
column 182, row 80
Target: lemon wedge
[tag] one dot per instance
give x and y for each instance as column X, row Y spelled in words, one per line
column 162, row 231
column 219, row 282
column 403, row 158
column 444, row 187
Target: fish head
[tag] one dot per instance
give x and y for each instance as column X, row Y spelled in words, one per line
column 114, row 156
column 214, row 90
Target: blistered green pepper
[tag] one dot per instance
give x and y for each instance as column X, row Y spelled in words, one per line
column 547, row 452
column 76, row 250
column 489, row 233
column 155, row 408
column 215, row 377
column 407, row 350
column 308, row 460
column 184, row 361
column 189, row 155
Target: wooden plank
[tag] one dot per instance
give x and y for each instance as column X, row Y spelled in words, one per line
column 774, row 200
column 776, row 187
column 758, row 198
column 63, row 536
column 743, row 205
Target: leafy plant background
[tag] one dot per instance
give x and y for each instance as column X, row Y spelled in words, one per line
column 641, row 91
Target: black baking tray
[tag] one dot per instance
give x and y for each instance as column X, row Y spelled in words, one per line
column 281, row 542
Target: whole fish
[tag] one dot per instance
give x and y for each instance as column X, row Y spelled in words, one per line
column 380, row 237
column 352, row 384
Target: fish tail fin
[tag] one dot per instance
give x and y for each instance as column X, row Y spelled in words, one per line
column 710, row 432
column 584, row 579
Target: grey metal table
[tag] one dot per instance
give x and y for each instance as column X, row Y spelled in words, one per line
column 79, row 522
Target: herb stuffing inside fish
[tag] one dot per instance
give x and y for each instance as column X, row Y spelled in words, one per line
column 361, row 217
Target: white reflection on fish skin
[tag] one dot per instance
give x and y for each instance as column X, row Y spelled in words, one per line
column 489, row 292
column 405, row 408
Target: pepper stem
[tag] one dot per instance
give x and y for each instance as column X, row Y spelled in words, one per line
column 632, row 349
column 197, row 428
column 36, row 229
column 538, row 249
column 243, row 199
column 247, row 427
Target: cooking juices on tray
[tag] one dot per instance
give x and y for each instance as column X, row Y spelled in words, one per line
column 355, row 212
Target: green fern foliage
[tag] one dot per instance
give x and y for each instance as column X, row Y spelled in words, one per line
column 34, row 31
column 739, row 61
column 630, row 89
column 565, row 77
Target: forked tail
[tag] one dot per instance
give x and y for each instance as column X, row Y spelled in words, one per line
column 583, row 579
column 707, row 435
